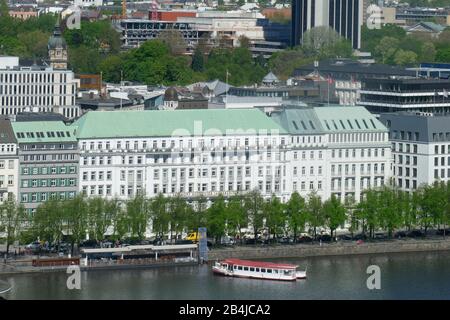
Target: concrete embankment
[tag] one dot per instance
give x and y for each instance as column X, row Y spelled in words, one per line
column 333, row 249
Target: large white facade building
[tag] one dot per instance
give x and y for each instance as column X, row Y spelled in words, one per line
column 37, row 89
column 185, row 152
column 328, row 150
column 335, row 150
column 420, row 147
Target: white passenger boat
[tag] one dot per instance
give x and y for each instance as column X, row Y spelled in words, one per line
column 258, row 270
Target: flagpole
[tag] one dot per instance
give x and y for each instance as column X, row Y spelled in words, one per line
column 226, row 88
column 328, row 82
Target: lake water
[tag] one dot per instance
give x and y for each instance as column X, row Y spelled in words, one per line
column 403, row 276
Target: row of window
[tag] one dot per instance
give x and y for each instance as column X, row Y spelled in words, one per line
column 32, row 77
column 30, row 197
column 312, row 185
column 9, row 180
column 267, row 187
column 353, row 153
column 164, row 143
column 216, row 172
column 398, row 147
column 350, row 183
column 441, row 161
column 407, row 160
column 7, row 148
column 363, row 168
column 357, row 137
column 49, row 170
column 303, row 171
column 36, row 183
column 407, row 172
column 48, row 157
column 10, row 164
column 39, row 100
column 46, row 146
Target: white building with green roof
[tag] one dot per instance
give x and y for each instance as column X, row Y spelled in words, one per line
column 335, row 150
column 185, row 152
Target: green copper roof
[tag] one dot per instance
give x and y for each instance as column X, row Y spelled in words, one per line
column 43, row 131
column 167, row 123
column 307, row 120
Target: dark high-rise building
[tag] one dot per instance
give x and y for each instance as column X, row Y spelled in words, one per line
column 344, row 16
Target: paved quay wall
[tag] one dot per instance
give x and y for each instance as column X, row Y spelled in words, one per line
column 335, row 249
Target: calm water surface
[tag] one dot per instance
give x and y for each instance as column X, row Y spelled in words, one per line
column 403, row 276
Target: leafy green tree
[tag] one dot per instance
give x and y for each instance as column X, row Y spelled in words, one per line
column 254, row 205
column 428, row 52
column 12, row 219
column 389, row 211
column 386, row 49
column 432, row 203
column 198, row 61
column 366, row 211
column 274, row 216
column 113, row 212
column 36, row 43
column 325, row 42
column 334, row 213
column 138, row 216
column 160, row 215
column 296, row 214
column 216, row 217
column 403, row 57
column 48, row 222
column 76, row 216
column 315, row 212
column 111, row 68
column 236, row 215
column 198, row 214
column 178, row 214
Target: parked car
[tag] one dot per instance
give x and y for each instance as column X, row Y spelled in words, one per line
column 380, row 236
column 285, row 240
column 359, row 236
column 253, row 241
column 415, row 234
column 89, row 244
column 227, row 241
column 304, row 239
column 440, row 232
column 345, row 237
column 34, row 245
column 324, row 238
column 400, row 234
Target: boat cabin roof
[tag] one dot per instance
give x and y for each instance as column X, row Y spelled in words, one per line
column 259, row 264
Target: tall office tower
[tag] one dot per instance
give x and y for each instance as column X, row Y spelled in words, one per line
column 344, row 16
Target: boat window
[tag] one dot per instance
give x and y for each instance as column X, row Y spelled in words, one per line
column 252, row 269
column 239, row 267
column 257, row 269
column 263, row 270
column 287, row 272
column 269, row 270
column 275, row 271
column 234, row 267
column 245, row 268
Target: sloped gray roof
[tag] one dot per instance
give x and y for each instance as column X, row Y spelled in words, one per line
column 270, row 77
column 299, row 120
